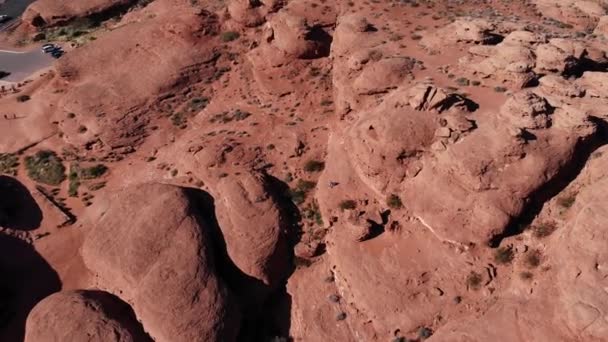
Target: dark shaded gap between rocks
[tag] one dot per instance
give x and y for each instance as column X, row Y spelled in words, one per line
column 26, row 279
column 567, row 174
column 260, row 321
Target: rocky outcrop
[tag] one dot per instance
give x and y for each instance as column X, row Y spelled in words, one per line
column 94, row 316
column 143, row 238
column 584, row 261
column 293, row 36
column 51, row 13
column 251, row 13
column 462, row 30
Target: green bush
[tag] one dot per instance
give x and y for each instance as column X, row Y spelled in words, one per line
column 314, row 166
column 45, row 167
column 229, row 36
column 394, row 202
column 8, row 163
column 348, row 205
column 504, row 255
column 474, row 280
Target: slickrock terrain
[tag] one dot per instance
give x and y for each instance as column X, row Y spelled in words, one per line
column 303, row 170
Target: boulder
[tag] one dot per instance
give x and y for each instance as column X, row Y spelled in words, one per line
column 602, row 27
column 292, row 35
column 387, row 73
column 254, row 232
column 527, row 110
column 152, row 248
column 83, row 315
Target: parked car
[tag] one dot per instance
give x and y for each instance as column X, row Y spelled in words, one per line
column 4, row 18
column 48, row 48
column 57, row 53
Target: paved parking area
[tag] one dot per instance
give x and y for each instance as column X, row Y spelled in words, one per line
column 23, row 64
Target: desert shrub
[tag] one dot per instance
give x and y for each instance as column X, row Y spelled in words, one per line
column 23, row 98
column 504, row 255
column 544, row 229
column 82, row 129
column 525, row 275
column 199, row 103
column 73, row 187
column 500, row 89
column 313, row 213
column 71, row 115
column 348, row 205
column 463, row 81
column 93, row 171
column 474, row 280
column 314, row 166
column 567, row 201
column 229, row 36
column 341, row 316
column 394, row 202
column 298, row 194
column 45, row 167
column 533, row 259
column 8, row 163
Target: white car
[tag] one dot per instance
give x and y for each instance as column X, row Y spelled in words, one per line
column 4, row 18
column 48, row 48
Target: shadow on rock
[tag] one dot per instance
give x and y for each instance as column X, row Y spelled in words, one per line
column 259, row 317
column 18, row 209
column 120, row 311
column 26, row 279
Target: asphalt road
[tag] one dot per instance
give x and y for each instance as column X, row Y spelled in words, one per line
column 14, row 9
column 23, row 64
column 20, row 64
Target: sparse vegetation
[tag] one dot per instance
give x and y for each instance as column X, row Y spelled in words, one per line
column 298, row 194
column 45, row 167
column 314, row 166
column 179, row 119
column 23, row 98
column 463, row 81
column 567, row 201
column 394, row 202
column 499, row 89
column 198, row 103
column 544, row 229
column 73, row 187
column 71, row 115
column 225, row 117
column 8, row 163
column 96, row 186
column 348, row 205
column 82, row 129
column 93, row 171
column 474, row 280
column 341, row 316
column 504, row 255
column 312, row 212
column 533, row 259
column 229, row 36
column 526, row 275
